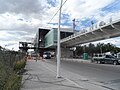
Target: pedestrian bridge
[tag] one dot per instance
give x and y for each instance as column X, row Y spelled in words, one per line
column 105, row 31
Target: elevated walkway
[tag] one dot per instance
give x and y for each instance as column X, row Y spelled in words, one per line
column 109, row 30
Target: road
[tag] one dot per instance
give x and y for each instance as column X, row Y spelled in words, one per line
column 102, row 73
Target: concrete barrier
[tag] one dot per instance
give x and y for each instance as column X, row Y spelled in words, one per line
column 76, row 60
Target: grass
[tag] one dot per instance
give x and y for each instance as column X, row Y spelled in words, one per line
column 13, row 82
column 19, row 65
column 10, row 78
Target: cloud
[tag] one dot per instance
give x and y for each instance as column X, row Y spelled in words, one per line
column 15, row 35
column 11, row 22
column 25, row 7
column 52, row 3
column 82, row 9
column 20, row 19
column 9, row 39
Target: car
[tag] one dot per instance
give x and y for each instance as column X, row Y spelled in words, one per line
column 47, row 55
column 102, row 58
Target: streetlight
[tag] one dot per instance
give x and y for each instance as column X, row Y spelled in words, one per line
column 58, row 43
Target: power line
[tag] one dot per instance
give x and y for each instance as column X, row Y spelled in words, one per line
column 57, row 12
column 66, row 1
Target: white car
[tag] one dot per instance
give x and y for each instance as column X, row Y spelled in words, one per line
column 47, row 55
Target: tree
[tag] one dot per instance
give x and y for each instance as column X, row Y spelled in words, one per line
column 91, row 48
column 99, row 48
column 79, row 50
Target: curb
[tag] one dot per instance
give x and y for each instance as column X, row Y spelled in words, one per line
column 76, row 60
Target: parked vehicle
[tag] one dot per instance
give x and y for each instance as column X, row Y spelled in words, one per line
column 103, row 58
column 47, row 55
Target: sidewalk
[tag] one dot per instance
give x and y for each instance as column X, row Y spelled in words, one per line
column 42, row 76
column 38, row 77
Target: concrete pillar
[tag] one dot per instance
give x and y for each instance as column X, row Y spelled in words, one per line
column 66, row 53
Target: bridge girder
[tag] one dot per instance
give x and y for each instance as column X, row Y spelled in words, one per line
column 110, row 30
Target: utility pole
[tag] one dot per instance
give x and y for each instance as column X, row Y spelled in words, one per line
column 92, row 24
column 58, row 44
column 74, row 25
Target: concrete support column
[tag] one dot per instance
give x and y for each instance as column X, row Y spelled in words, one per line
column 66, row 53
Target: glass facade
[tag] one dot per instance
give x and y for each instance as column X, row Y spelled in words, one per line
column 51, row 38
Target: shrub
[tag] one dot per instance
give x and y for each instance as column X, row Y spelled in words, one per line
column 19, row 65
column 13, row 82
column 9, row 68
column 2, row 75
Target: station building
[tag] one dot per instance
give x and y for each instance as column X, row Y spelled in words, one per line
column 46, row 39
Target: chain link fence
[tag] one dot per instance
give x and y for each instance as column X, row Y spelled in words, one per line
column 7, row 60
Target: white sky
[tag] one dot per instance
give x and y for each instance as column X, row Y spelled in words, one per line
column 20, row 19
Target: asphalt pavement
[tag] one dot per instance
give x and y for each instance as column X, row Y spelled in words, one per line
column 41, row 75
column 106, row 74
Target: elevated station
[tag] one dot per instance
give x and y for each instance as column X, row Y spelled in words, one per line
column 45, row 40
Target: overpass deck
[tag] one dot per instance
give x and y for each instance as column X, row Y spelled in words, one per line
column 110, row 30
